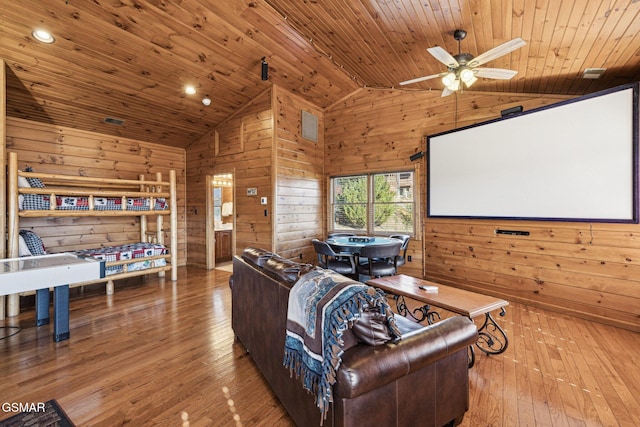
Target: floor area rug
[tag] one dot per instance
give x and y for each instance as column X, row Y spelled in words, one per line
column 43, row 415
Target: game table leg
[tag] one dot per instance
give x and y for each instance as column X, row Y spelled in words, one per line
column 61, row 313
column 42, row 307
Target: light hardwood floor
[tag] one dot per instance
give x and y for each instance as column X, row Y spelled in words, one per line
column 158, row 353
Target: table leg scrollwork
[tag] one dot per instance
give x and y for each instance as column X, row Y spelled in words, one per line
column 419, row 314
column 491, row 338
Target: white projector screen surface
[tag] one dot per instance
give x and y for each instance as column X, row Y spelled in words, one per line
column 574, row 161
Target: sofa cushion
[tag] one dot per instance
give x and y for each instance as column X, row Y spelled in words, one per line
column 256, row 256
column 287, row 270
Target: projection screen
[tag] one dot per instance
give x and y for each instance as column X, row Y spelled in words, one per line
column 571, row 161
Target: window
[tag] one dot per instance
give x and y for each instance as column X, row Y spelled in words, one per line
column 373, row 204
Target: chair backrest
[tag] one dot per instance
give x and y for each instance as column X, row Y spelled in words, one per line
column 405, row 240
column 322, row 248
column 381, row 251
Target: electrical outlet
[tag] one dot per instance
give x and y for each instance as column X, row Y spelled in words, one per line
column 408, row 258
column 300, row 255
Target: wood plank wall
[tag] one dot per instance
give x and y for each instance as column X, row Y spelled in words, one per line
column 589, row 270
column 3, row 160
column 55, row 149
column 300, row 201
column 243, row 145
column 263, row 146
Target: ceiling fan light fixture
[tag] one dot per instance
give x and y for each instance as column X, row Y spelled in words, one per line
column 466, row 74
column 455, row 85
column 471, row 81
column 449, row 79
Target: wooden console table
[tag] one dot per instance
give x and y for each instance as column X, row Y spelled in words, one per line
column 491, row 337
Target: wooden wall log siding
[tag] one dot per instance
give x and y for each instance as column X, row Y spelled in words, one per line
column 251, row 164
column 3, row 162
column 55, row 149
column 586, row 269
column 263, row 146
column 299, row 207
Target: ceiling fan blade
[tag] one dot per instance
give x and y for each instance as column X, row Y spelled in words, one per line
column 446, row 92
column 497, row 52
column 494, row 73
column 420, row 79
column 443, row 56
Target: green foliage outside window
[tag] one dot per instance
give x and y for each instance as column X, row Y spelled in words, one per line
column 351, row 209
column 352, row 202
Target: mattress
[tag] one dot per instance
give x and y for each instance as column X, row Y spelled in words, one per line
column 136, row 252
column 43, row 202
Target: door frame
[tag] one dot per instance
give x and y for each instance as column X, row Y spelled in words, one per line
column 210, row 233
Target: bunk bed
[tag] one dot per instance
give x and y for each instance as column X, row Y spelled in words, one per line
column 32, row 195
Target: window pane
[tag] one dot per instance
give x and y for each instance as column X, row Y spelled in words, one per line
column 350, row 203
column 393, row 203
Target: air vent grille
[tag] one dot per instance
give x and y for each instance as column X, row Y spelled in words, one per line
column 593, row 73
column 309, row 126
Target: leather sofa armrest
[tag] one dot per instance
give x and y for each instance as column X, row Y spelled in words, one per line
column 365, row 368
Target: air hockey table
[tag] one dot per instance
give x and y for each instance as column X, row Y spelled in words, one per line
column 40, row 273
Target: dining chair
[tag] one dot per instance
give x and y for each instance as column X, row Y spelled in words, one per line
column 340, row 262
column 380, row 260
column 401, row 259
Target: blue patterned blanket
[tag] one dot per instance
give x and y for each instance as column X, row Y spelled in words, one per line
column 322, row 305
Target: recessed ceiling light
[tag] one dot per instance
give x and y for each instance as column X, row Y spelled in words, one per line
column 189, row 90
column 206, row 101
column 43, row 36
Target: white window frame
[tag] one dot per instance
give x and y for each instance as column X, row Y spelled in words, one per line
column 369, row 230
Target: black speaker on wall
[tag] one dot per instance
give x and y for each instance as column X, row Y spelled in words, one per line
column 265, row 69
column 512, row 110
column 416, row 156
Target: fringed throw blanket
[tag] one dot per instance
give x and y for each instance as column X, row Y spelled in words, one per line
column 322, row 305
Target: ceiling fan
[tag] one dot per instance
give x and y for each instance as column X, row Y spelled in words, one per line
column 462, row 68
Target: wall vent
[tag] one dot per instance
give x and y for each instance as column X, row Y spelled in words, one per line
column 593, row 73
column 111, row 120
column 309, row 126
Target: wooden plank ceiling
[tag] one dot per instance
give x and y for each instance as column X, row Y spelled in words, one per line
column 130, row 59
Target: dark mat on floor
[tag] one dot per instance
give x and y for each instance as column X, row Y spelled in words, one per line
column 49, row 414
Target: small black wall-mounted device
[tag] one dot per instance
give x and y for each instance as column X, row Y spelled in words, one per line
column 513, row 232
column 416, row 156
column 265, row 69
column 512, row 110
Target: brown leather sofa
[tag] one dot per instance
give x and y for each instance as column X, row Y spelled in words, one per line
column 422, row 379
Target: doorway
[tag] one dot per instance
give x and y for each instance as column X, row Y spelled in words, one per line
column 220, row 217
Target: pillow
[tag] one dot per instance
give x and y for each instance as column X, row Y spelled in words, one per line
column 371, row 328
column 33, row 242
column 23, row 182
column 376, row 324
column 23, row 249
column 34, row 182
